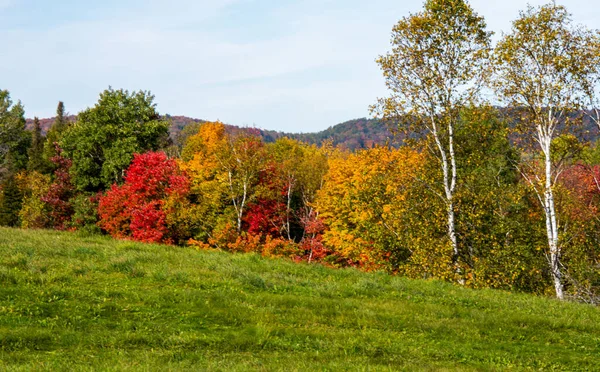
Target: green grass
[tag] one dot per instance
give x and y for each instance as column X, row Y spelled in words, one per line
column 70, row 302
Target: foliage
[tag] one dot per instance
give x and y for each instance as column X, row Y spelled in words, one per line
column 103, row 140
column 543, row 67
column 437, row 66
column 11, row 199
column 36, row 161
column 136, row 208
column 55, row 133
column 361, row 201
column 60, row 192
column 34, row 212
column 208, row 189
column 14, row 139
column 298, row 172
column 85, row 213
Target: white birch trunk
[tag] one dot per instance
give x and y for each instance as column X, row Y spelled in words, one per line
column 551, row 222
column 449, row 180
column 288, row 209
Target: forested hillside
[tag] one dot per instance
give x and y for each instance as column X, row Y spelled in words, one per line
column 353, row 134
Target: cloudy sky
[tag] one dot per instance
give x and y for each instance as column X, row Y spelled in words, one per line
column 292, row 65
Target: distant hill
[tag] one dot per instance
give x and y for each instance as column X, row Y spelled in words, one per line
column 352, row 134
column 46, row 123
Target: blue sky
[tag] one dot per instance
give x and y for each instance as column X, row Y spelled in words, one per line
column 292, row 65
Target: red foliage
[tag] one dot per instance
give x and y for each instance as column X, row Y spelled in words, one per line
column 265, row 217
column 313, row 239
column 60, row 192
column 135, row 209
column 583, row 183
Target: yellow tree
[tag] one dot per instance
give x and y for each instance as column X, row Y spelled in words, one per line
column 223, row 164
column 362, row 202
column 437, row 65
column 542, row 67
column 301, row 169
column 208, row 187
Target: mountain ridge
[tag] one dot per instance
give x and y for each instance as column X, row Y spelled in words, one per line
column 352, row 134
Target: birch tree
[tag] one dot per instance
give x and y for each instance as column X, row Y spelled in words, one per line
column 437, row 65
column 242, row 160
column 541, row 67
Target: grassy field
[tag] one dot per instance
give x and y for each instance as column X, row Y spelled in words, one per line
column 69, row 302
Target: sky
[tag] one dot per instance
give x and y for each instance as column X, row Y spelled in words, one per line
column 289, row 65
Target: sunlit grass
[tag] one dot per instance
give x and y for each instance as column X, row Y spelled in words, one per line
column 74, row 302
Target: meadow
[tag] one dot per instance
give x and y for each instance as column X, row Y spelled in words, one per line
column 77, row 302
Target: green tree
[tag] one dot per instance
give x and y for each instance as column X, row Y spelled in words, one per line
column 104, row 138
column 36, row 151
column 542, row 67
column 11, row 199
column 14, row 139
column 437, row 66
column 14, row 143
column 55, row 132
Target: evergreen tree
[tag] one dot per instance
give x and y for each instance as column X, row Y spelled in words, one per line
column 14, row 143
column 14, row 139
column 11, row 199
column 36, row 151
column 55, row 133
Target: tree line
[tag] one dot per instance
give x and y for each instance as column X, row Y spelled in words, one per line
column 471, row 196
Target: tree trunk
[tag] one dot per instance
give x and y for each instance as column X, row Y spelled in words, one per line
column 552, row 224
column 288, row 209
column 449, row 180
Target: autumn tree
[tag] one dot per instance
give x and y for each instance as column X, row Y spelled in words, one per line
column 242, row 160
column 541, row 67
column 437, row 65
column 299, row 174
column 104, row 138
column 208, row 188
column 136, row 209
column 58, row 195
column 34, row 211
column 362, row 204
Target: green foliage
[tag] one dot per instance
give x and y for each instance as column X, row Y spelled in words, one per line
column 85, row 213
column 14, row 139
column 499, row 241
column 55, row 133
column 80, row 303
column 545, row 67
column 36, row 161
column 437, row 66
column 11, row 199
column 103, row 140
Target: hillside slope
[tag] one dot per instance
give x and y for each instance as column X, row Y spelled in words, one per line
column 69, row 303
